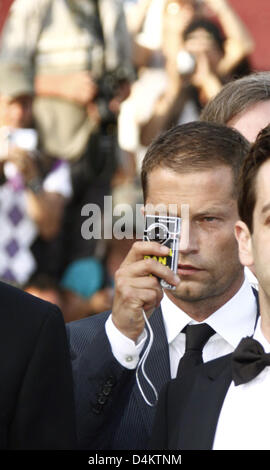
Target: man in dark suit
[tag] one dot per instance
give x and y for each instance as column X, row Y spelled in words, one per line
column 36, row 394
column 197, row 165
column 224, row 404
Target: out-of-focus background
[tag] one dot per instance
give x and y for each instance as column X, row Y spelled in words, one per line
column 85, row 85
column 256, row 17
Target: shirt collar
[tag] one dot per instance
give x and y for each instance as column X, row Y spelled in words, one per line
column 240, row 314
column 259, row 336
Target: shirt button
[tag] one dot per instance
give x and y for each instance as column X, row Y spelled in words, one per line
column 129, row 358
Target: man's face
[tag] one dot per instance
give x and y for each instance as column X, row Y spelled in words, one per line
column 250, row 122
column 209, row 266
column 200, row 42
column 257, row 245
column 16, row 112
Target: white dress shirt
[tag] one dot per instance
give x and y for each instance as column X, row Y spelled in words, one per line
column 231, row 322
column 251, row 278
column 245, row 415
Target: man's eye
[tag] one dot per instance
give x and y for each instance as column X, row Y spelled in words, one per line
column 210, row 219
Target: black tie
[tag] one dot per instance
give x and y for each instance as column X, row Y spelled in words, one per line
column 248, row 360
column 196, row 337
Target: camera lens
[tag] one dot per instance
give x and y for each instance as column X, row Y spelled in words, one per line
column 185, row 63
column 158, row 233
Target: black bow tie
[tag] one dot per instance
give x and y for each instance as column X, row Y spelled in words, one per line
column 248, row 360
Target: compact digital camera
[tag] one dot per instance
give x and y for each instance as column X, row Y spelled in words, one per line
column 25, row 139
column 166, row 231
column 186, row 63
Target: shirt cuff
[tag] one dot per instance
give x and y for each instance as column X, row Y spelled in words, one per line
column 125, row 350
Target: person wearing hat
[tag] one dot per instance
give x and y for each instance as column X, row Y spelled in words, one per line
column 16, row 94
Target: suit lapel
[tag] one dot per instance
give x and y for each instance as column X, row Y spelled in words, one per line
column 207, row 396
column 157, row 368
column 199, row 421
column 256, row 294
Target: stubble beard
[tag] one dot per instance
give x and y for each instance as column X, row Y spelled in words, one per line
column 210, row 290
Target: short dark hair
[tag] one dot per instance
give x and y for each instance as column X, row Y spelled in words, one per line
column 259, row 153
column 237, row 96
column 196, row 146
column 210, row 26
column 42, row 281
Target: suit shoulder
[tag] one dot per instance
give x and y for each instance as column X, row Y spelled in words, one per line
column 27, row 322
column 21, row 305
column 88, row 323
column 82, row 332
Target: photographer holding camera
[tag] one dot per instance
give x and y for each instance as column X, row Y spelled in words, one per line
column 72, row 46
column 213, row 48
column 34, row 187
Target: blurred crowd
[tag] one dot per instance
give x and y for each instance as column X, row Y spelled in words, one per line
column 85, row 85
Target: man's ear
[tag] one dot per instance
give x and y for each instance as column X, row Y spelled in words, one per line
column 243, row 238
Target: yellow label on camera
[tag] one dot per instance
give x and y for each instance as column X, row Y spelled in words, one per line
column 161, row 259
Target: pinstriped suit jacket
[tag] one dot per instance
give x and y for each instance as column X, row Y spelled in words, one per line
column 111, row 413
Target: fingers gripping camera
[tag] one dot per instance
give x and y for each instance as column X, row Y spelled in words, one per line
column 166, row 231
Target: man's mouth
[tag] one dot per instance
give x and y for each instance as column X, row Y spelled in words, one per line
column 185, row 269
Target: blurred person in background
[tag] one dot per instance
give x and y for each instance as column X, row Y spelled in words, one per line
column 194, row 48
column 80, row 57
column 34, row 187
column 85, row 289
column 70, row 45
column 46, row 288
column 210, row 52
column 145, row 21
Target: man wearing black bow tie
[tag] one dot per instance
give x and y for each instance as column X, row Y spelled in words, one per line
column 224, row 404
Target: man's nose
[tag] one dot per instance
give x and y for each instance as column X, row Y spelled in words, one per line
column 189, row 241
